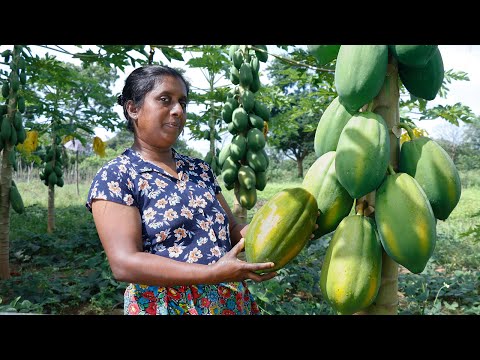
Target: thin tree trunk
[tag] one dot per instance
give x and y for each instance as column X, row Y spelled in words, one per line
column 386, row 105
column 51, row 209
column 300, row 167
column 76, row 172
column 5, row 184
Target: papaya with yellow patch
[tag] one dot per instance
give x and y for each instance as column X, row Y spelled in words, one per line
column 405, row 221
column 432, row 167
column 351, row 271
column 281, row 228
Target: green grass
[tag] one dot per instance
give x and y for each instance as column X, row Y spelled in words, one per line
column 67, row 272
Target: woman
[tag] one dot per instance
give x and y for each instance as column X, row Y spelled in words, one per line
column 161, row 217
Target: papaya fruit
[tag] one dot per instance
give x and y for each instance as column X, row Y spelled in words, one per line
column 16, row 200
column 423, row 82
column 247, row 197
column 360, row 73
column 413, row 55
column 330, row 126
column 351, row 271
column 428, row 163
column 255, row 139
column 333, row 200
column 405, row 221
column 281, row 228
column 363, row 154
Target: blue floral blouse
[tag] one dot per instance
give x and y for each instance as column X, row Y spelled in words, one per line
column 181, row 219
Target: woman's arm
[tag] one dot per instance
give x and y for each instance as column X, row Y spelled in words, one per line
column 119, row 228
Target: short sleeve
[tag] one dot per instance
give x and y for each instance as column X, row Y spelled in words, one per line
column 113, row 182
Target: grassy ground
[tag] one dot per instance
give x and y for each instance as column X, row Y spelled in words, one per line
column 66, row 272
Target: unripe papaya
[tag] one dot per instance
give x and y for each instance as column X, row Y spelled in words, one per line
column 413, row 55
column 363, row 154
column 426, row 161
column 423, row 82
column 246, row 76
column 16, row 200
column 330, row 127
column 351, row 270
column 281, row 228
column 247, row 197
column 405, row 221
column 255, row 139
column 360, row 73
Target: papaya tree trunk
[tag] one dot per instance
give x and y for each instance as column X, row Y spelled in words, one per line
column 386, row 104
column 76, row 171
column 51, row 209
column 5, row 184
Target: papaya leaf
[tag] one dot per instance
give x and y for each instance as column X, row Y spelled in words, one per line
column 171, row 53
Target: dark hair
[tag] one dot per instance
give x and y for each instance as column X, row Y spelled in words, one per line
column 140, row 82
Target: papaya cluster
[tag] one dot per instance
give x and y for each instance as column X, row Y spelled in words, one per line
column 12, row 132
column 52, row 172
column 352, row 144
column 244, row 162
column 11, row 125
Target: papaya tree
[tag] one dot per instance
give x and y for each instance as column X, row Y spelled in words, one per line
column 74, row 101
column 12, row 132
column 369, row 80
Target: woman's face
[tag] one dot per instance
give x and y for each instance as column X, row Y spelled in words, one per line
column 162, row 116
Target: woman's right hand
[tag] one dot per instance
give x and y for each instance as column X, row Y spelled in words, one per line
column 230, row 268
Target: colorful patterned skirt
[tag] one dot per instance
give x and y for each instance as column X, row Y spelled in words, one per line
column 232, row 298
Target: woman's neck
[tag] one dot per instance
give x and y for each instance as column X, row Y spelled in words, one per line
column 162, row 157
column 154, row 154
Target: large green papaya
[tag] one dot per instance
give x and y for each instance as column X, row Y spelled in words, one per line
column 423, row 82
column 360, row 73
column 281, row 228
column 413, row 55
column 333, row 200
column 330, row 127
column 426, row 161
column 405, row 221
column 351, row 270
column 323, row 53
column 363, row 154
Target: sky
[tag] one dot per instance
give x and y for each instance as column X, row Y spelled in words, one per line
column 458, row 57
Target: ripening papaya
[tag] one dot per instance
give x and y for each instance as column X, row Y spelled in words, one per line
column 333, row 200
column 351, row 271
column 405, row 221
column 426, row 161
column 363, row 154
column 281, row 228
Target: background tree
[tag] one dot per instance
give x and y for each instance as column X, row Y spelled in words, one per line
column 299, row 95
